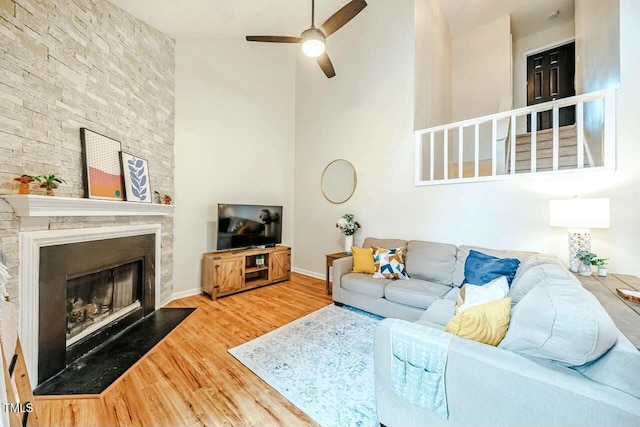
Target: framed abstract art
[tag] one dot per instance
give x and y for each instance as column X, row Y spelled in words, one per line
column 136, row 178
column 103, row 176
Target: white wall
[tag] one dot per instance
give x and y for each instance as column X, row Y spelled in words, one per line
column 234, row 141
column 482, row 69
column 433, row 66
column 365, row 115
column 482, row 76
column 564, row 32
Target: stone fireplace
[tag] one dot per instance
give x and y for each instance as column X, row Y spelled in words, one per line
column 81, row 286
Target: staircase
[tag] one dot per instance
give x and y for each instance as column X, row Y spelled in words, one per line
column 567, row 155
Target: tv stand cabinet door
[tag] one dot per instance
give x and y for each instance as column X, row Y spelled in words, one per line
column 228, row 276
column 280, row 265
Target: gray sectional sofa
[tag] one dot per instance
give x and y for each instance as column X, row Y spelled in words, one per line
column 562, row 363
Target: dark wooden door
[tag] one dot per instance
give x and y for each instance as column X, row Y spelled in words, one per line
column 550, row 76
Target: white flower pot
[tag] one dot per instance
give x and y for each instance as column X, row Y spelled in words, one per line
column 584, row 270
column 348, row 242
column 602, row 271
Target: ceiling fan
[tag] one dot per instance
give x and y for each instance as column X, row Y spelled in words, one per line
column 313, row 40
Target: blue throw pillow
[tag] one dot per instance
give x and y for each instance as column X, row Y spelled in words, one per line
column 482, row 268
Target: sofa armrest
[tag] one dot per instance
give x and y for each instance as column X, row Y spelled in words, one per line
column 486, row 385
column 341, row 267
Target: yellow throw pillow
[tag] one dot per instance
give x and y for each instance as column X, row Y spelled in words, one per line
column 363, row 260
column 485, row 323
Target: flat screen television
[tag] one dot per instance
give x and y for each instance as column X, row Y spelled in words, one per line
column 246, row 226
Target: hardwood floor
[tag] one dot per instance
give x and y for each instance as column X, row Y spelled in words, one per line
column 190, row 379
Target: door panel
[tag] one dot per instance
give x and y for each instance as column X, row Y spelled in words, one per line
column 550, row 76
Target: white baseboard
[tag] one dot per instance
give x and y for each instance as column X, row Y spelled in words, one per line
column 187, row 293
column 310, row 273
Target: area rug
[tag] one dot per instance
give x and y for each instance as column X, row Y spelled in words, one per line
column 322, row 363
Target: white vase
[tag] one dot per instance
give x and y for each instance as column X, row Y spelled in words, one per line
column 348, row 242
column 602, row 271
column 584, row 270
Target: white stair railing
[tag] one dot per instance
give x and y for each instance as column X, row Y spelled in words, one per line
column 425, row 142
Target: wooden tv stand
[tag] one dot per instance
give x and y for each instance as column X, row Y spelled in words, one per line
column 230, row 272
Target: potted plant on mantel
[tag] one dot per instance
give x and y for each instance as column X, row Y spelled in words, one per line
column 49, row 182
column 24, row 181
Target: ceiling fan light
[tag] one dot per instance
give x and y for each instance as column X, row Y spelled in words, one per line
column 312, row 43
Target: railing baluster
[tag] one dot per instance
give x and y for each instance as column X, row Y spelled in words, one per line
column 419, row 158
column 446, row 154
column 431, row 158
column 494, row 153
column 534, row 141
column 476, row 154
column 556, row 137
column 512, row 132
column 460, row 153
column 580, row 135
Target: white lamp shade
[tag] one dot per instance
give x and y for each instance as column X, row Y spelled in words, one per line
column 579, row 213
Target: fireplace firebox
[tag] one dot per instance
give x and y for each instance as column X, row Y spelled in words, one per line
column 90, row 291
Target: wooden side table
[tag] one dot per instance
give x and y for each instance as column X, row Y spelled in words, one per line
column 624, row 313
column 330, row 259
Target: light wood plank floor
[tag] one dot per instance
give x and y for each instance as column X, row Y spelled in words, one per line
column 190, row 379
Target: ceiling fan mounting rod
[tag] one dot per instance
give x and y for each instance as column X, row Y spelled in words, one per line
column 313, row 13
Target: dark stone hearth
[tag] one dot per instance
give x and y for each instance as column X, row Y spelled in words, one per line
column 97, row 370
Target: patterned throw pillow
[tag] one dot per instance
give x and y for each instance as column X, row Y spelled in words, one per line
column 389, row 264
column 472, row 295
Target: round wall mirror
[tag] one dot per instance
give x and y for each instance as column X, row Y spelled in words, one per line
column 339, row 181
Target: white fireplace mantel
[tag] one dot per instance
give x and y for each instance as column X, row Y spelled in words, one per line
column 33, row 205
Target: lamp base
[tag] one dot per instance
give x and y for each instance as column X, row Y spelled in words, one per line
column 579, row 241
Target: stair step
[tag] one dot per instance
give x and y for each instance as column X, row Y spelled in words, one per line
column 566, row 162
column 547, row 134
column 547, row 153
column 541, row 145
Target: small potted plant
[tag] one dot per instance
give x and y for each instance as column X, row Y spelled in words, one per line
column 348, row 225
column 166, row 199
column 601, row 263
column 49, row 182
column 24, row 181
column 586, row 260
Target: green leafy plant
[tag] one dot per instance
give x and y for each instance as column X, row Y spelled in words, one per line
column 586, row 257
column 599, row 262
column 49, row 182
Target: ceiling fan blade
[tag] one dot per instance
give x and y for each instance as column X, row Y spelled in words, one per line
column 326, row 65
column 273, row 39
column 341, row 17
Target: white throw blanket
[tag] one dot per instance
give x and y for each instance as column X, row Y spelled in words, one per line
column 418, row 365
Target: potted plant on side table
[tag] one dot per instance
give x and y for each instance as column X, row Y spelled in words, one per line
column 601, row 263
column 586, row 260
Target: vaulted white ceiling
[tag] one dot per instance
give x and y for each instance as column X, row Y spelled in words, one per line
column 215, row 19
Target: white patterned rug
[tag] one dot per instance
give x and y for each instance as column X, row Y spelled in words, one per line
column 322, row 363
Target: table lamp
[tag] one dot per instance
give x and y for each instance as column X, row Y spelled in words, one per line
column 579, row 216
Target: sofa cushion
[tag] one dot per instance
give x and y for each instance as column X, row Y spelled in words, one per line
column 415, row 293
column 463, row 253
column 480, row 268
column 372, row 242
column 486, row 323
column 363, row 260
column 559, row 320
column 430, row 324
column 440, row 312
column 614, row 368
column 532, row 275
column 389, row 263
column 364, row 284
column 431, row 261
column 452, row 294
column 472, row 295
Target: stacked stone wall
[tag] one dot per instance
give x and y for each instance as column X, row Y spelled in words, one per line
column 67, row 64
